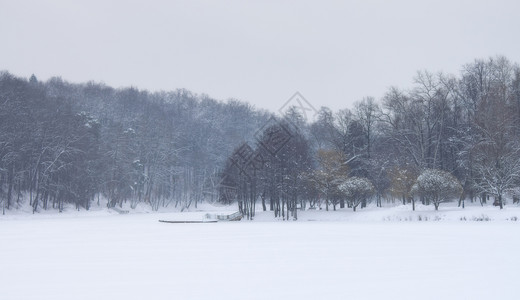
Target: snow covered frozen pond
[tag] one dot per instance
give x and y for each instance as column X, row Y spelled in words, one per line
column 135, row 257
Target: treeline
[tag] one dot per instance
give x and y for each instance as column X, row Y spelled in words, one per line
column 74, row 143
column 444, row 138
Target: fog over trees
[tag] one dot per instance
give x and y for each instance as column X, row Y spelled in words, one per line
column 444, row 138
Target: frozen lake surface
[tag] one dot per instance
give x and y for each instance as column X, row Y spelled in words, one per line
column 135, row 257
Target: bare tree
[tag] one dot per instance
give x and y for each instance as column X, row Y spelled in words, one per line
column 368, row 112
column 402, row 179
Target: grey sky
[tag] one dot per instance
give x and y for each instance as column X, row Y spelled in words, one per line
column 334, row 53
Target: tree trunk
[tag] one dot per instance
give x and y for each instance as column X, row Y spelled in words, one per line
column 295, row 210
column 9, row 193
column 10, row 177
column 327, row 204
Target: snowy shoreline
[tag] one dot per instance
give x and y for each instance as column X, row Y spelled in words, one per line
column 398, row 213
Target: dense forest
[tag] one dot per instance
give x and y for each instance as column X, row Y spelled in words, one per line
column 446, row 137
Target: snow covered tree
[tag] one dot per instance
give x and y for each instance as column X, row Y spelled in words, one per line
column 356, row 190
column 437, row 187
column 499, row 176
column 491, row 152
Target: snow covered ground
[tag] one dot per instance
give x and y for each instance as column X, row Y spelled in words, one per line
column 368, row 255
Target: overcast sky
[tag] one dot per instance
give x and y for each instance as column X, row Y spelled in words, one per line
column 334, row 53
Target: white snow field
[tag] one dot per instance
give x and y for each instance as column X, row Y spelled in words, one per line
column 106, row 256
